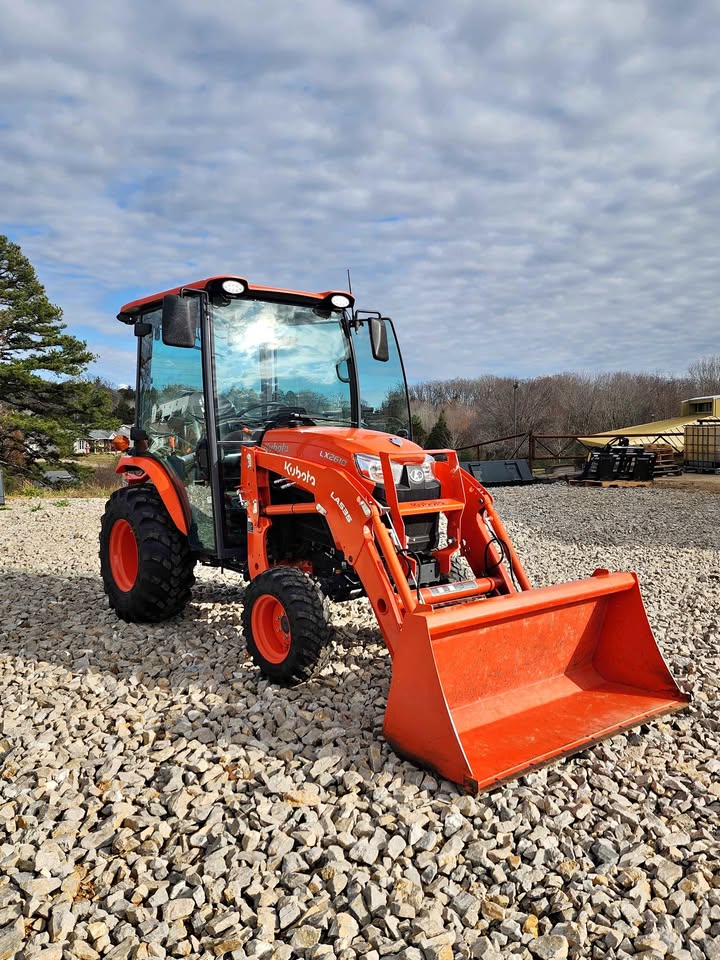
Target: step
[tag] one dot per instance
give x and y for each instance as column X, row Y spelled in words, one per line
column 415, row 507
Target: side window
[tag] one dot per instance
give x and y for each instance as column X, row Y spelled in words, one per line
column 171, row 410
column 383, row 392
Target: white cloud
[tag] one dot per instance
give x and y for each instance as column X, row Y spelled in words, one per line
column 526, row 188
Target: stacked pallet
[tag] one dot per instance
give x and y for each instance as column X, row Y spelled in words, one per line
column 665, row 463
column 580, row 482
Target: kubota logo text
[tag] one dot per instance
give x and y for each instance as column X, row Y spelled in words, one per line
column 304, row 476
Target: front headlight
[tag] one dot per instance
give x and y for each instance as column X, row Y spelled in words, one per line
column 371, row 467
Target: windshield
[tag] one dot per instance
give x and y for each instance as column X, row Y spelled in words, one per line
column 272, row 359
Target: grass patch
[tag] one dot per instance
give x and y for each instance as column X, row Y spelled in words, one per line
column 88, row 491
column 96, row 481
column 30, row 490
column 95, row 460
column 91, row 490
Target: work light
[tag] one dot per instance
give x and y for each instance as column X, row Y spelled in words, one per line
column 340, row 300
column 234, row 287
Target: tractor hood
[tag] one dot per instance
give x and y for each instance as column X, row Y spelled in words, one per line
column 356, row 452
column 334, row 446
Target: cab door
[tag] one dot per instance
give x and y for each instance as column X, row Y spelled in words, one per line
column 171, row 410
column 382, row 386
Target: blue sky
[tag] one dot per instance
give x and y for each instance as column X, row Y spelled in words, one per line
column 524, row 187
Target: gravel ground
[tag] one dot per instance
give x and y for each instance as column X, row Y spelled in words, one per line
column 158, row 799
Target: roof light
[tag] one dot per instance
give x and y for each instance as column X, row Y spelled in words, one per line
column 234, row 287
column 340, row 300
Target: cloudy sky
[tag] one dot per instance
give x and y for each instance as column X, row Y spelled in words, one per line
column 525, row 187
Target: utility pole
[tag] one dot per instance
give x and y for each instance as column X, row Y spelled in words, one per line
column 515, row 390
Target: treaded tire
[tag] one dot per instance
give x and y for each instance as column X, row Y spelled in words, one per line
column 161, row 587
column 290, row 592
column 460, row 569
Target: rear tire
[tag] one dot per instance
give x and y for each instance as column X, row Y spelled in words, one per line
column 285, row 625
column 145, row 561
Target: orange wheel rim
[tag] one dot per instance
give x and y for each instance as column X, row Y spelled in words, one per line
column 123, row 555
column 271, row 629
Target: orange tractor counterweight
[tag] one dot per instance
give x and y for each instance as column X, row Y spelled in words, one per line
column 274, row 458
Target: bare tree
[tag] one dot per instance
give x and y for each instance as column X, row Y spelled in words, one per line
column 705, row 375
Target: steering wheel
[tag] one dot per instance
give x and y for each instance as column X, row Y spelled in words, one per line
column 385, row 421
column 269, row 405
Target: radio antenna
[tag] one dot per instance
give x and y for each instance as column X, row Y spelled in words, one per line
column 349, row 281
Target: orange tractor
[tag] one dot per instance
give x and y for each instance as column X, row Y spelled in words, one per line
column 273, row 437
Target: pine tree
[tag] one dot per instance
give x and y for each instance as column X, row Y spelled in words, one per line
column 418, row 431
column 124, row 405
column 439, row 437
column 44, row 402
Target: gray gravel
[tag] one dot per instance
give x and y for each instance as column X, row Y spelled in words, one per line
column 158, row 799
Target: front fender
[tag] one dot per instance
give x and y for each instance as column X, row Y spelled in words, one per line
column 167, row 484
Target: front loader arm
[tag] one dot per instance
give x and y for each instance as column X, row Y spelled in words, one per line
column 477, row 518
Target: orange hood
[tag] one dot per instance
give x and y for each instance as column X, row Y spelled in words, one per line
column 334, row 446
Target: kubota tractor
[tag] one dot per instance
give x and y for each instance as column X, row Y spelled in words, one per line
column 273, row 437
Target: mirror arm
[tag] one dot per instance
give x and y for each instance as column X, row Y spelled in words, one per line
column 194, row 292
column 359, row 320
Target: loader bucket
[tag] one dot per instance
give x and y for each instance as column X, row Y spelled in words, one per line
column 484, row 691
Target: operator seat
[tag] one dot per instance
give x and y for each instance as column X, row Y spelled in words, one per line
column 231, row 452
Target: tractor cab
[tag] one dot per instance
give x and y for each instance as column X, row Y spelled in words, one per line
column 223, row 364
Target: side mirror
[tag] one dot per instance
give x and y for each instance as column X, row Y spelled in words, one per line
column 180, row 318
column 379, row 339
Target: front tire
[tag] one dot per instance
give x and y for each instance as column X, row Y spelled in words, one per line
column 460, row 569
column 285, row 625
column 145, row 562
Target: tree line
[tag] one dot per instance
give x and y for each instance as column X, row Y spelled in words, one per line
column 461, row 412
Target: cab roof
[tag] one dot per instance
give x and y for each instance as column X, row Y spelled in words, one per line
column 129, row 311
